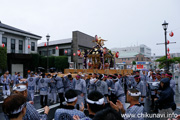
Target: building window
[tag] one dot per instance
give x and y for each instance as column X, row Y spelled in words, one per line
column 69, row 51
column 61, row 52
column 32, row 46
column 43, row 53
column 12, row 45
column 20, row 46
column 54, row 51
column 141, row 50
column 137, row 58
column 50, row 53
column 142, row 59
column 4, row 41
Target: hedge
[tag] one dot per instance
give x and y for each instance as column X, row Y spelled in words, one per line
column 3, row 58
column 59, row 62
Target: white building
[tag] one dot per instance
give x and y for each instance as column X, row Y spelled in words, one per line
column 17, row 41
column 143, row 49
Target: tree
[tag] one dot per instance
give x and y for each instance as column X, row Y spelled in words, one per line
column 134, row 65
column 134, row 62
column 3, row 58
column 163, row 62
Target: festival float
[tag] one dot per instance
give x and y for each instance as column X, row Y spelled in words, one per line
column 99, row 59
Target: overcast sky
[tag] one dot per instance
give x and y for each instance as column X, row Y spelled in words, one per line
column 122, row 22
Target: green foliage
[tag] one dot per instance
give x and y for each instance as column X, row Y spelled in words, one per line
column 61, row 62
column 3, row 58
column 52, row 61
column 134, row 62
column 43, row 62
column 34, row 61
column 177, row 59
column 163, row 62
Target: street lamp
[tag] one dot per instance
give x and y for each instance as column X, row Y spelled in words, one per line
column 165, row 26
column 47, row 37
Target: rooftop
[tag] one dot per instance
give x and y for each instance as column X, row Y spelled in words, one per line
column 127, row 55
column 56, row 42
column 16, row 29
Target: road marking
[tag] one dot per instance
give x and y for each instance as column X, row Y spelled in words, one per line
column 50, row 107
column 34, row 95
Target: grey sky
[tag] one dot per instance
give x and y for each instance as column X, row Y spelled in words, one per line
column 121, row 22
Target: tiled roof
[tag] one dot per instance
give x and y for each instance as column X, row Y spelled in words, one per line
column 16, row 29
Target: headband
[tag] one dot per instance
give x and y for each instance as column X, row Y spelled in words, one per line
column 115, row 79
column 19, row 110
column 155, row 83
column 102, row 76
column 99, row 102
column 134, row 94
column 20, row 88
column 168, row 75
column 78, row 76
column 137, row 77
column 71, row 99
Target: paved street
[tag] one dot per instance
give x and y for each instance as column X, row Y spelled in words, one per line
column 55, row 106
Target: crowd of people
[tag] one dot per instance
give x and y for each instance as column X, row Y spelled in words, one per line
column 88, row 96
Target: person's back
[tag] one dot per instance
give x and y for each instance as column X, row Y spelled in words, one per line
column 107, row 114
column 68, row 111
column 31, row 113
column 43, row 85
column 69, row 83
column 135, row 110
column 166, row 102
column 166, row 99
